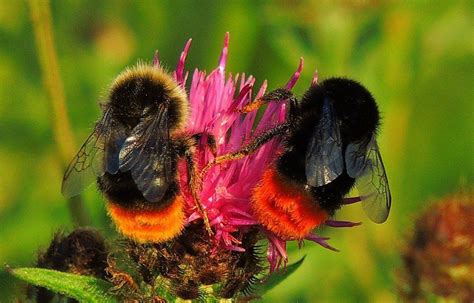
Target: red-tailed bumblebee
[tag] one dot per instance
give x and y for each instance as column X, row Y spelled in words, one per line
column 329, row 146
column 133, row 153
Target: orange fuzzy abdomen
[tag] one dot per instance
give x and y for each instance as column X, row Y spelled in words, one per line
column 149, row 225
column 285, row 208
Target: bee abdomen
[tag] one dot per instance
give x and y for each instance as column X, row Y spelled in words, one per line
column 150, row 225
column 285, row 208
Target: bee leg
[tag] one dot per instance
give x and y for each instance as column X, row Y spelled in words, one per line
column 293, row 111
column 279, row 94
column 193, row 181
column 121, row 280
column 249, row 148
column 249, row 107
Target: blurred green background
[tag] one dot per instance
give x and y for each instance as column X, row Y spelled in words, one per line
column 415, row 57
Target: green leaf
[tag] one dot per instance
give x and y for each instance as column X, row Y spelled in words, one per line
column 82, row 288
column 277, row 277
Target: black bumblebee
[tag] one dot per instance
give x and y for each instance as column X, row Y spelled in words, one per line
column 133, row 153
column 329, row 146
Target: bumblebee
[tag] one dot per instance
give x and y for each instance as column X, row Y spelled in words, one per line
column 329, row 146
column 133, row 153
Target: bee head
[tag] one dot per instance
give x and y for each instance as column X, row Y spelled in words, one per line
column 140, row 92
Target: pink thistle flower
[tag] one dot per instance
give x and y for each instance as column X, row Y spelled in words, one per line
column 215, row 99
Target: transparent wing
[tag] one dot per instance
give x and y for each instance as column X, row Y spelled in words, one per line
column 112, row 150
column 324, row 161
column 147, row 154
column 88, row 163
column 356, row 158
column 373, row 186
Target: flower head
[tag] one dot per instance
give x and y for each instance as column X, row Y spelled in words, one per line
column 439, row 257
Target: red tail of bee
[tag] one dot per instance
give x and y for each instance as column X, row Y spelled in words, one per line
column 149, row 225
column 285, row 208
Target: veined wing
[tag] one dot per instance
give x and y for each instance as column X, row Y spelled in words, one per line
column 147, row 154
column 99, row 153
column 373, row 185
column 324, row 161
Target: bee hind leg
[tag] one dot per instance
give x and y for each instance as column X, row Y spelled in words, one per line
column 193, row 183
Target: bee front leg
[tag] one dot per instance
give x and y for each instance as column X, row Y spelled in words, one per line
column 278, row 95
column 249, row 148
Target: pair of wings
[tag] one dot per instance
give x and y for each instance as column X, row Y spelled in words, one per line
column 325, row 162
column 145, row 152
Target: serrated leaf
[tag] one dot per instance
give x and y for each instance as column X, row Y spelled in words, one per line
column 82, row 288
column 277, row 277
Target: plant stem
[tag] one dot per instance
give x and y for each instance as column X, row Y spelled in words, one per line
column 41, row 20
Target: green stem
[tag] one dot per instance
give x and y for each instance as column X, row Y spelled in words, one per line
column 41, row 20
column 78, row 213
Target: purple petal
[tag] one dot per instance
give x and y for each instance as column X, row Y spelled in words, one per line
column 193, row 216
column 351, row 200
column 217, row 220
column 321, row 241
column 225, row 50
column 295, row 76
column 241, row 222
column 235, row 248
column 335, row 223
column 182, row 59
column 156, row 59
column 238, row 211
column 315, row 78
column 276, row 253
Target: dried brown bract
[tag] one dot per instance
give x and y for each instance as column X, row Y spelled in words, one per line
column 192, row 262
column 81, row 252
column 439, row 258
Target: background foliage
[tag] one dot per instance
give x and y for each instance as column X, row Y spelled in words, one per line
column 416, row 57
